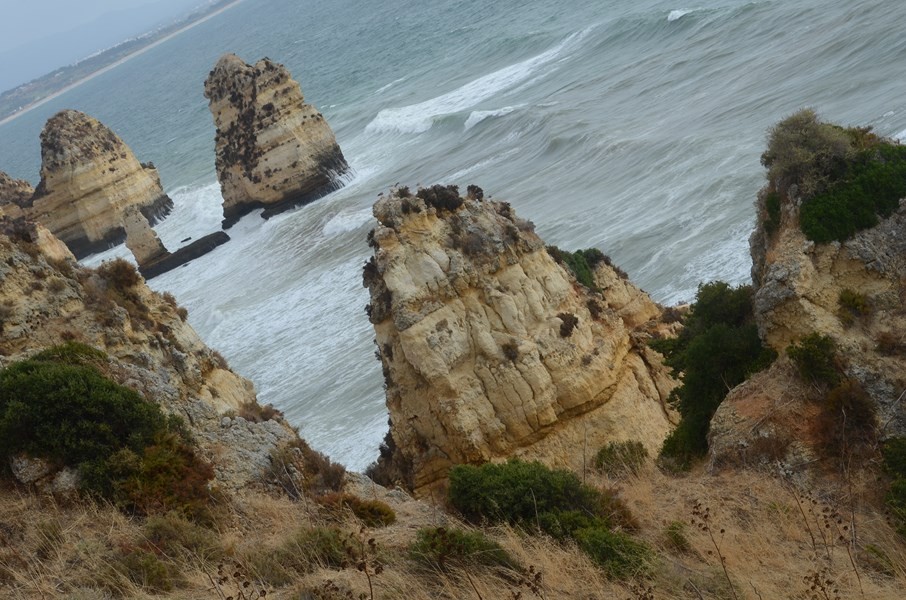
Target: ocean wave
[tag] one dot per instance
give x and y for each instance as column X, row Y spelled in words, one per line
column 384, row 88
column 345, row 222
column 478, row 116
column 900, row 136
column 676, row 15
column 418, row 118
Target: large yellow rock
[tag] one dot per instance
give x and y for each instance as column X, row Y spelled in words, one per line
column 471, row 317
column 273, row 150
column 88, row 179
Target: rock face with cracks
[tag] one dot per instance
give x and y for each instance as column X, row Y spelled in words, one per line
column 274, row 151
column 14, row 194
column 47, row 298
column 491, row 349
column 88, row 179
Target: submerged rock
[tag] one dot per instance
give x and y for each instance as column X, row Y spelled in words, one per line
column 491, row 349
column 88, row 179
column 273, row 150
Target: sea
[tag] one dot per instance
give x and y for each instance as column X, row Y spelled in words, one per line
column 632, row 126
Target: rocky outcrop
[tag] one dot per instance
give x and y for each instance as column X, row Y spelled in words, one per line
column 88, row 179
column 273, row 150
column 14, row 194
column 45, row 298
column 490, row 349
column 852, row 292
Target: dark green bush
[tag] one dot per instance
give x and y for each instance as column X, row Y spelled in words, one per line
column 175, row 535
column 616, row 553
column 872, row 186
column 772, row 207
column 618, row 458
column 517, row 492
column 853, row 305
column 717, row 349
column 440, row 548
column 568, row 322
column 815, row 357
column 146, row 570
column 57, row 406
column 847, row 422
column 581, row 263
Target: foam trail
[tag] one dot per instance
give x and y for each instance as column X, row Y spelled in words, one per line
column 901, row 136
column 676, row 15
column 418, row 118
column 480, row 115
column 384, row 88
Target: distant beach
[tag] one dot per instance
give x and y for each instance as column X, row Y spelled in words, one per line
column 118, row 62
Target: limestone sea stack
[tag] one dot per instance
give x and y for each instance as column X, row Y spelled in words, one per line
column 491, row 349
column 274, row 151
column 88, row 179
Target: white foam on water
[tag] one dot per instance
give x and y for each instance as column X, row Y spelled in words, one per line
column 458, row 175
column 478, row 116
column 418, row 118
column 384, row 88
column 346, row 221
column 676, row 15
column 901, row 136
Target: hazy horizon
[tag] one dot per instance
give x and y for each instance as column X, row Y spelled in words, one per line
column 38, row 37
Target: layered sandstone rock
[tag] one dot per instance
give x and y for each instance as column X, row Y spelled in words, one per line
column 273, row 150
column 141, row 239
column 47, row 298
column 88, row 179
column 14, row 194
column 491, row 349
column 799, row 286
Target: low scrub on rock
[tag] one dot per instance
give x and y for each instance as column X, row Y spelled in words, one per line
column 57, row 406
column 554, row 501
column 717, row 349
column 441, row 548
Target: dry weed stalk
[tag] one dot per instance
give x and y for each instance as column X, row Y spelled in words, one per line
column 701, row 518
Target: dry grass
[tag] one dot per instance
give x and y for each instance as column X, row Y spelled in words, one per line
column 772, row 540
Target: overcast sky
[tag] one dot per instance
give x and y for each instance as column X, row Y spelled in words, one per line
column 37, row 36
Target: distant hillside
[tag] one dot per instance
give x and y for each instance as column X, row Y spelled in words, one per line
column 25, row 96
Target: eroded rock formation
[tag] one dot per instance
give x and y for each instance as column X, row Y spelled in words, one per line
column 273, row 150
column 47, row 298
column 14, row 194
column 88, row 179
column 852, row 292
column 491, row 349
column 141, row 239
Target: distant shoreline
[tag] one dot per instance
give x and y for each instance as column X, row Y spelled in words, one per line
column 29, row 107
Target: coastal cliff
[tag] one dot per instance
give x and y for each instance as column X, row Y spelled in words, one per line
column 47, row 298
column 492, row 350
column 14, row 194
column 88, row 179
column 274, row 151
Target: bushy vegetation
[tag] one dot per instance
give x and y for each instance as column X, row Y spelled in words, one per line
column 59, row 407
column 847, row 421
column 581, row 263
column 568, row 322
column 619, row 458
column 718, row 348
column 441, row 548
column 853, row 305
column 845, row 177
column 534, row 497
column 815, row 358
column 441, row 197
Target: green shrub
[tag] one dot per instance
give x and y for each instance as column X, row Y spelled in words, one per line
column 853, row 305
column 516, row 492
column 616, row 553
column 59, row 407
column 440, row 548
column 815, row 358
column 894, row 452
column 675, row 534
column 618, row 458
column 807, row 153
column 120, row 273
column 717, row 349
column 873, row 184
column 581, row 263
column 772, row 208
column 145, row 569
